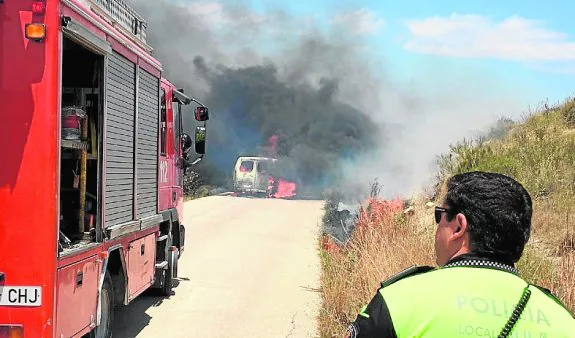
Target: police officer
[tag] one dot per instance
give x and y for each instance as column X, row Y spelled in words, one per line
column 483, row 226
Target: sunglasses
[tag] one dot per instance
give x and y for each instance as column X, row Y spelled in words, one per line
column 438, row 212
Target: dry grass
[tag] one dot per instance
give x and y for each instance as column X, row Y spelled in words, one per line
column 540, row 153
column 384, row 242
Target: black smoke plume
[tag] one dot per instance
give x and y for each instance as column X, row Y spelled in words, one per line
column 316, row 132
column 252, row 101
column 324, row 92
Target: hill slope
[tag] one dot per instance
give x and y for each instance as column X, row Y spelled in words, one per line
column 540, row 153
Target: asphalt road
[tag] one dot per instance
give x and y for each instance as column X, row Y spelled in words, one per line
column 250, row 269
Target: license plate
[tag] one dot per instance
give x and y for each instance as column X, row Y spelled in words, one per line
column 20, row 296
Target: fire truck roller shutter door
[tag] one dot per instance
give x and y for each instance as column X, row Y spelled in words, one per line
column 147, row 144
column 120, row 118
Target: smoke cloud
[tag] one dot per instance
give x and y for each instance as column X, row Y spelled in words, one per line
column 339, row 116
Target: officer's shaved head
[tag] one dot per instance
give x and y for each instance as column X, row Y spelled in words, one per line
column 498, row 210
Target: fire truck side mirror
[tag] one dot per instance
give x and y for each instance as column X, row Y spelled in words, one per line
column 200, row 144
column 201, row 114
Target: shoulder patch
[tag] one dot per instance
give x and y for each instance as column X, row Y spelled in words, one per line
column 411, row 271
column 552, row 296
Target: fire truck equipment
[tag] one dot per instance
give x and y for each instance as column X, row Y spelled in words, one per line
column 71, row 122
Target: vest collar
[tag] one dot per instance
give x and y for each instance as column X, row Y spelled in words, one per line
column 481, row 261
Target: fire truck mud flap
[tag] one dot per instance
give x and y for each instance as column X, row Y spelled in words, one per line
column 105, row 316
column 168, row 272
column 182, row 240
column 101, row 286
column 175, row 254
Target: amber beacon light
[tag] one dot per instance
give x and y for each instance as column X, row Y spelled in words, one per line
column 13, row 331
column 35, row 31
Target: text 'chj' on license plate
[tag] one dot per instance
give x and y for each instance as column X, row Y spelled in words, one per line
column 20, row 296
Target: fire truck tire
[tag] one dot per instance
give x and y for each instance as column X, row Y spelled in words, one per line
column 176, row 260
column 104, row 330
column 169, row 274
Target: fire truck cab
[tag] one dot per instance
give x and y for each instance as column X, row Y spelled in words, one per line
column 93, row 157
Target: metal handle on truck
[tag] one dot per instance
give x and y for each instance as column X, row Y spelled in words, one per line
column 79, row 278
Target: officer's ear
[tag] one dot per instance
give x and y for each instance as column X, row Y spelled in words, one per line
column 459, row 226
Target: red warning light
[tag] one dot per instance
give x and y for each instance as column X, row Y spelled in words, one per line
column 38, row 7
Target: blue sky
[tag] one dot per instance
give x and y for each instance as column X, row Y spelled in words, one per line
column 551, row 15
column 450, row 67
column 528, row 44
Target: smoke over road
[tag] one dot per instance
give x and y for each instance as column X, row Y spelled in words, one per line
column 338, row 116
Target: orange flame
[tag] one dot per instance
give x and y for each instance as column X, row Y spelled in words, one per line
column 273, row 141
column 285, row 188
column 379, row 211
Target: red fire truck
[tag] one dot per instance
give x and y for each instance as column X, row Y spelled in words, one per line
column 93, row 155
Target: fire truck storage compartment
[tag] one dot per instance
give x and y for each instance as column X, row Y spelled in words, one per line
column 141, row 264
column 77, row 284
column 81, row 117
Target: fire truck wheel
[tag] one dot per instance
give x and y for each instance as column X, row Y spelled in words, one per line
column 169, row 274
column 176, row 260
column 104, row 330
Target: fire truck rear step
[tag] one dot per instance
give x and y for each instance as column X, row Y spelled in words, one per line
column 162, row 265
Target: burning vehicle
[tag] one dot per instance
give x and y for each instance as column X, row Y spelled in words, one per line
column 251, row 175
column 263, row 177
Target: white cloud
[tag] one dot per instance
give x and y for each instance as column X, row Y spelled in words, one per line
column 215, row 13
column 514, row 38
column 361, row 21
column 206, row 8
column 554, row 67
